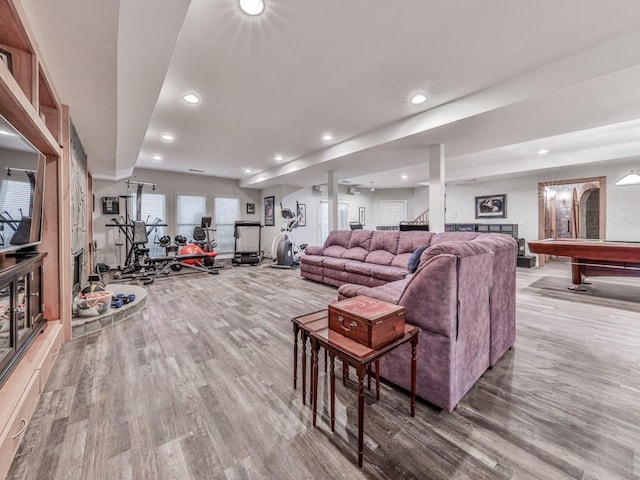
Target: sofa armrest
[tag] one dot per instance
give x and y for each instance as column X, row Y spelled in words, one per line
column 314, row 250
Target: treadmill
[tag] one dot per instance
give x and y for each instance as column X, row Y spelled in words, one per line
column 246, row 250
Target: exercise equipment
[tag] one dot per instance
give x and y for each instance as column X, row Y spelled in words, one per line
column 202, row 239
column 246, row 249
column 194, row 261
column 284, row 250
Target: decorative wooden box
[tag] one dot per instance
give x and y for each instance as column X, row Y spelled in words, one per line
column 372, row 322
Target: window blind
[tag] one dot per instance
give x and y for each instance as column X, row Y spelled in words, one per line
column 189, row 212
column 227, row 211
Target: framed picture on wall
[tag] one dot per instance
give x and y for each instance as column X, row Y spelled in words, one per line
column 361, row 216
column 491, row 206
column 251, row 208
column 302, row 214
column 269, row 218
column 110, row 205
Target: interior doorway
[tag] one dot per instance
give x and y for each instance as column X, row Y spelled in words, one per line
column 573, row 208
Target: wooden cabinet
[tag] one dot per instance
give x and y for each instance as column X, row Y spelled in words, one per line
column 20, row 308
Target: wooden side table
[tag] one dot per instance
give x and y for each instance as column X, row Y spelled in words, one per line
column 361, row 357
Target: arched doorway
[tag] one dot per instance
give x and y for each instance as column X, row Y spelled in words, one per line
column 571, row 209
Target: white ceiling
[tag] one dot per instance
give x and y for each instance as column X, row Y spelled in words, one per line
column 504, row 78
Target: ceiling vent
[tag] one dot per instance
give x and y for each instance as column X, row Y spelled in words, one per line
column 354, row 191
column 320, row 188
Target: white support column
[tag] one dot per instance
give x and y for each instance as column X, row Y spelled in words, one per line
column 436, row 188
column 333, row 200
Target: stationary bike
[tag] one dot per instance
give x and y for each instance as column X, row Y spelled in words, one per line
column 284, row 251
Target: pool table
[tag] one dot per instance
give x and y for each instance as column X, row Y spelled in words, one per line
column 593, row 258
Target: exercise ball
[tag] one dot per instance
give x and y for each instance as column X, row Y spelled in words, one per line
column 191, row 249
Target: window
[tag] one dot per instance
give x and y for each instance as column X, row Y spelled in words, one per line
column 343, row 218
column 227, row 211
column 189, row 213
column 153, row 211
column 15, row 202
column 393, row 212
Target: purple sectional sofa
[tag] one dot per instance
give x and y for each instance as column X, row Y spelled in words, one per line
column 462, row 296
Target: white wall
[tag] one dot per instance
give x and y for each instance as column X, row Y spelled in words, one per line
column 170, row 184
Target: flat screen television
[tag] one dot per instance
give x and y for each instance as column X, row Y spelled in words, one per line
column 21, row 191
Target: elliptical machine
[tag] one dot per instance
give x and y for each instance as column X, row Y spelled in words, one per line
column 284, row 251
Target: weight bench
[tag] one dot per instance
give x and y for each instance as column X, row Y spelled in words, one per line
column 164, row 265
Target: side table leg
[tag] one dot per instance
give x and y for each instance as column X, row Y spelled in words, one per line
column 345, row 371
column 332, row 374
column 377, row 380
column 304, row 367
column 325, row 360
column 295, row 355
column 314, row 377
column 369, row 377
column 361, row 373
column 414, row 344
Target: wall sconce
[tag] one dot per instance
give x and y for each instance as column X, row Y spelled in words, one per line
column 631, row 178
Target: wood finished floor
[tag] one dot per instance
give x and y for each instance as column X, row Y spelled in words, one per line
column 200, row 387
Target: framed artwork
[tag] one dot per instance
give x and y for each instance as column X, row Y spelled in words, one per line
column 361, row 216
column 302, row 214
column 6, row 59
column 251, row 208
column 111, row 205
column 269, row 218
column 491, row 206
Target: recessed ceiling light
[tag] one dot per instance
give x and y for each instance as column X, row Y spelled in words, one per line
column 543, row 151
column 157, row 157
column 404, row 177
column 418, row 98
column 8, row 134
column 167, row 137
column 278, row 158
column 191, row 98
column 252, row 7
column 247, row 170
column 327, row 137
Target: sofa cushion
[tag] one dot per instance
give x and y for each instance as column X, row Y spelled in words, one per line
column 338, row 237
column 385, row 240
column 334, row 263
column 335, row 251
column 315, row 260
column 380, row 257
column 401, row 260
column 358, row 267
column 388, row 272
column 410, row 241
column 313, row 250
column 414, row 261
column 355, row 253
column 361, row 238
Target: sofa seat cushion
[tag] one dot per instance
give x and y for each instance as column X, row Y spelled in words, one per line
column 380, row 257
column 335, row 251
column 358, row 267
column 389, row 292
column 316, row 260
column 334, row 263
column 388, row 272
column 355, row 253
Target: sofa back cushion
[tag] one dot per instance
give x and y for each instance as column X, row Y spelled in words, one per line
column 361, row 238
column 336, row 243
column 385, row 240
column 453, row 236
column 459, row 248
column 409, row 242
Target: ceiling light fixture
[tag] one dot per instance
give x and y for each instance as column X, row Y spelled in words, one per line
column 252, row 7
column 167, row 137
column 372, row 189
column 543, row 151
column 157, row 158
column 418, row 98
column 327, row 137
column 8, row 134
column 247, row 170
column 278, row 158
column 404, row 177
column 191, row 98
column 631, row 178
